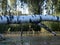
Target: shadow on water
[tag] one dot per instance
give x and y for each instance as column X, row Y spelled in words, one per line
column 32, row 40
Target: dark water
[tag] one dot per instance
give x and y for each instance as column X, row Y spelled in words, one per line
column 32, row 40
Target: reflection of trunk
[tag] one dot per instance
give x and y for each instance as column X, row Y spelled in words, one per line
column 4, row 7
column 52, row 9
column 39, row 9
column 2, row 37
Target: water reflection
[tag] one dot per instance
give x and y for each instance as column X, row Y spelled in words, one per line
column 19, row 6
column 42, row 39
column 22, row 6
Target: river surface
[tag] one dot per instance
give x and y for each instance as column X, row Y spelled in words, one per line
column 36, row 39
